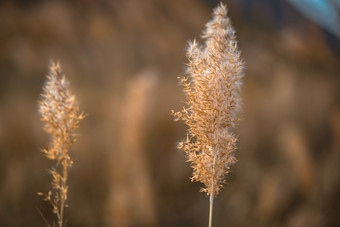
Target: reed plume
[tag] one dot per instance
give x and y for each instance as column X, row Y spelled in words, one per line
column 212, row 87
column 60, row 112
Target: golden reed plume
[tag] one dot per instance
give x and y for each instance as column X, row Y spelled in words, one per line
column 59, row 110
column 212, row 88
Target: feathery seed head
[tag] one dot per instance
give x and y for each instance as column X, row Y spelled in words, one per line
column 212, row 89
column 59, row 111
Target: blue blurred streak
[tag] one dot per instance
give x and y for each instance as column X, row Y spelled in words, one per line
column 322, row 12
column 337, row 2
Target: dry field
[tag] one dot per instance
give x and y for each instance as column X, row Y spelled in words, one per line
column 122, row 58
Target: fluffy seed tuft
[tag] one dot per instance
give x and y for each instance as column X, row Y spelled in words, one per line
column 59, row 111
column 212, row 88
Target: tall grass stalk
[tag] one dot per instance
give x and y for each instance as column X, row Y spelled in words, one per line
column 131, row 198
column 212, row 88
column 59, row 110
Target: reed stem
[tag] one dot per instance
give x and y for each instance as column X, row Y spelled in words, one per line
column 212, row 194
column 211, row 210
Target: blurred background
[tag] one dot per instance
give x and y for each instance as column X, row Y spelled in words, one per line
column 122, row 58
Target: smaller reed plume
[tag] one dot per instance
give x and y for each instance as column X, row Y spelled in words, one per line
column 59, row 110
column 212, row 88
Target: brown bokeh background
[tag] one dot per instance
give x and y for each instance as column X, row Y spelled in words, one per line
column 122, row 58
